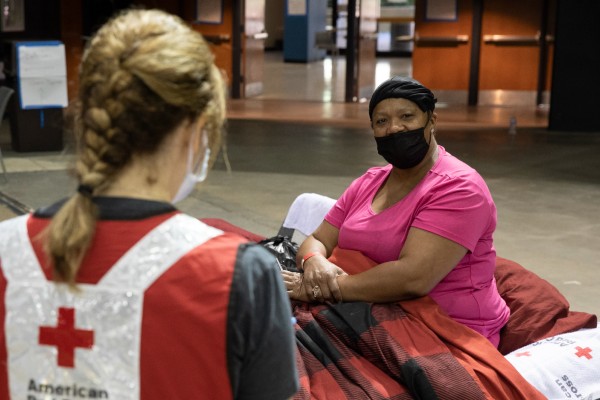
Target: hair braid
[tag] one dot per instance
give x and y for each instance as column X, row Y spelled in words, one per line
column 143, row 74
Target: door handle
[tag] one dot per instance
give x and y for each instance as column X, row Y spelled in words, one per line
column 258, row 36
column 404, row 38
column 441, row 40
column 369, row 36
column 217, row 39
column 512, row 39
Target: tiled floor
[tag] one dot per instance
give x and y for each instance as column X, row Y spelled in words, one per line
column 546, row 184
column 314, row 92
column 321, row 81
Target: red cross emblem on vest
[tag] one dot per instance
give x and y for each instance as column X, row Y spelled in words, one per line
column 66, row 337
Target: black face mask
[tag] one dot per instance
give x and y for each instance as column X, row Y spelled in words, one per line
column 403, row 149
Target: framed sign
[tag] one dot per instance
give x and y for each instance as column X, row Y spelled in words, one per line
column 13, row 15
column 441, row 10
column 209, row 11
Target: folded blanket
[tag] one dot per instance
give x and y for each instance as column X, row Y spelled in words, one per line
column 537, row 309
column 405, row 350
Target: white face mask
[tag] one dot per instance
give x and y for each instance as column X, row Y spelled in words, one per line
column 195, row 173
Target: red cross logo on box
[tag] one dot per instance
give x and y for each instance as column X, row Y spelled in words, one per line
column 583, row 352
column 523, row 354
column 66, row 337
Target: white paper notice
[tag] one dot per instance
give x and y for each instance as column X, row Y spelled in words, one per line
column 44, row 92
column 42, row 74
column 296, row 7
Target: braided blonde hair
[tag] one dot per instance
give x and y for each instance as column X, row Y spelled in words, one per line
column 143, row 73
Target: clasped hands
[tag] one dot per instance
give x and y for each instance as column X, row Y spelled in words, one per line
column 318, row 281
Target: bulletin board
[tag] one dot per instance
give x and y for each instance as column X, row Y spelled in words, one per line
column 42, row 74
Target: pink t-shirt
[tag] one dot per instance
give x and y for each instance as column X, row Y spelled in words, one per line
column 452, row 201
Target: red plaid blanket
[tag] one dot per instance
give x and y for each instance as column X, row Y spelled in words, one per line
column 405, row 350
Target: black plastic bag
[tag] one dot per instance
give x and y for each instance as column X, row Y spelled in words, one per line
column 284, row 249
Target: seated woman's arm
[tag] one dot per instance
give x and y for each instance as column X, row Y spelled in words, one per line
column 425, row 259
column 316, row 248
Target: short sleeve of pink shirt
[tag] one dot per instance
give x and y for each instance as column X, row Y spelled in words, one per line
column 452, row 201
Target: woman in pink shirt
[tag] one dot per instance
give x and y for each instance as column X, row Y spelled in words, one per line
column 427, row 220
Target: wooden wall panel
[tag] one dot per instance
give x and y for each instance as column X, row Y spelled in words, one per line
column 71, row 31
column 438, row 66
column 510, row 66
column 223, row 51
column 552, row 35
column 71, row 36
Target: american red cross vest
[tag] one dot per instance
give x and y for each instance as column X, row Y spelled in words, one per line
column 76, row 344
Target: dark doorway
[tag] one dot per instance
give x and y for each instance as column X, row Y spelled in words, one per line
column 96, row 12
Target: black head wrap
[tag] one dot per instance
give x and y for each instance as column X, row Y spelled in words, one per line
column 400, row 87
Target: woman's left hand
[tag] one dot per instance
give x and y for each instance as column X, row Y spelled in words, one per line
column 295, row 285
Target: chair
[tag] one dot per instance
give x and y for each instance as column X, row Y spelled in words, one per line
column 305, row 214
column 5, row 94
column 326, row 40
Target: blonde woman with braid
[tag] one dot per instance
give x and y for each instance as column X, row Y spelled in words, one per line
column 115, row 294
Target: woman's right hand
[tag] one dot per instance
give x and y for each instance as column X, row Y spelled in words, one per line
column 320, row 279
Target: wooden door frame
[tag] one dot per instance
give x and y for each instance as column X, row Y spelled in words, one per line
column 475, row 61
column 237, row 80
column 474, row 64
column 351, row 91
column 543, row 62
